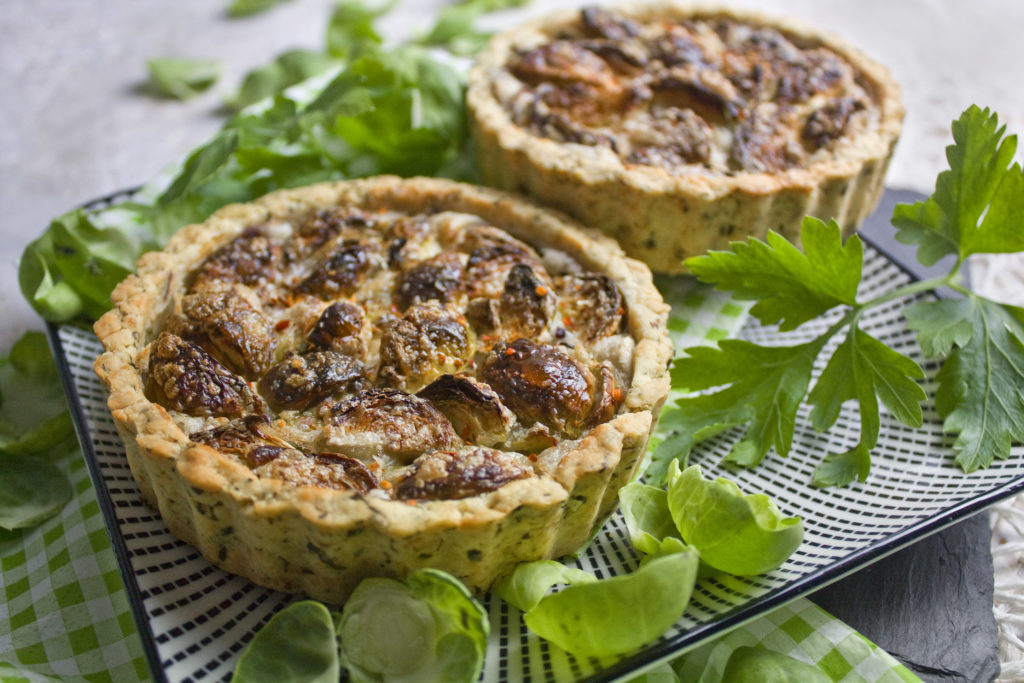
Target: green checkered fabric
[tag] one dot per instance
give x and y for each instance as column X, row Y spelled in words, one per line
column 65, row 615
column 801, row 630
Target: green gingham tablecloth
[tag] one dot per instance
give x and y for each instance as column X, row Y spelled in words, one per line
column 65, row 615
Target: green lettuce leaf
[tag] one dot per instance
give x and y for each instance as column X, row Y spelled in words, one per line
column 247, row 8
column 742, row 534
column 181, row 78
column 287, row 69
column 397, row 111
column 31, row 490
column 351, row 28
column 33, row 414
column 298, row 645
column 35, row 431
column 455, row 26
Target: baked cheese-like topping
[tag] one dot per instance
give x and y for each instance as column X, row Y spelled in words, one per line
column 423, row 356
column 710, row 95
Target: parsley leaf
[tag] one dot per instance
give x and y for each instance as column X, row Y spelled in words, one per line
column 864, row 369
column 763, row 386
column 977, row 201
column 940, row 325
column 181, row 78
column 976, row 208
column 981, row 385
column 790, row 286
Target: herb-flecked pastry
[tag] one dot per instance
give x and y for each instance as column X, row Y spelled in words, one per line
column 678, row 129
column 366, row 378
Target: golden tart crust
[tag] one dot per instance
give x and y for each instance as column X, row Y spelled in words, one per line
column 296, row 489
column 678, row 128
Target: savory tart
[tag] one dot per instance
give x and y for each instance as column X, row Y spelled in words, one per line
column 678, row 129
column 370, row 377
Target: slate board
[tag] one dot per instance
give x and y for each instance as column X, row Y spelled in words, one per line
column 929, row 605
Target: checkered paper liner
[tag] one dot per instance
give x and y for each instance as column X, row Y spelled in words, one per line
column 196, row 619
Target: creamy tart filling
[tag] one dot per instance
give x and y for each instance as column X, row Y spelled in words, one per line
column 702, row 95
column 401, row 355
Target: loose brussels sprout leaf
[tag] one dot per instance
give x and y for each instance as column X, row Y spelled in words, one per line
column 31, row 490
column 620, row 614
column 427, row 628
column 758, row 665
column 743, row 534
column 298, row 645
column 648, row 519
column 526, row 586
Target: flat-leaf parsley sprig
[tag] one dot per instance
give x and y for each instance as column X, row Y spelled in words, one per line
column 977, row 207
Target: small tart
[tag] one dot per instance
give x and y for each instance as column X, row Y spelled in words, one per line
column 679, row 128
column 370, row 377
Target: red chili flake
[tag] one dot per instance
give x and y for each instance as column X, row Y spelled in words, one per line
column 411, row 501
column 510, row 352
column 282, row 325
column 385, row 484
column 532, row 457
column 620, row 310
column 541, row 290
column 567, row 321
